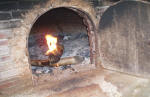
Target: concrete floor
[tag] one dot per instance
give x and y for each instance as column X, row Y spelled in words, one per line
column 111, row 84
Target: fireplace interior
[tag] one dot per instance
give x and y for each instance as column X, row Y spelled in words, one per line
column 70, row 30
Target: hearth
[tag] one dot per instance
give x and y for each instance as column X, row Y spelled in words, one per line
column 69, row 30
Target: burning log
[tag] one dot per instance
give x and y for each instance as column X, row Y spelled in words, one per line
column 69, row 61
column 55, row 56
column 54, row 52
column 61, row 62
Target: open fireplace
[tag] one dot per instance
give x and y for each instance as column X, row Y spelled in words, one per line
column 66, row 46
column 71, row 31
column 74, row 35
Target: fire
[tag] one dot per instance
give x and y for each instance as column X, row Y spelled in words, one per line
column 52, row 43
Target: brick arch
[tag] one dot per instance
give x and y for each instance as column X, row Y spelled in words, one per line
column 88, row 22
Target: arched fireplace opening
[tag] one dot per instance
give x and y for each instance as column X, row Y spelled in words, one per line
column 72, row 29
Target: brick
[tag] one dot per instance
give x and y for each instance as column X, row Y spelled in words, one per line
column 8, row 5
column 4, row 58
column 13, row 85
column 8, row 74
column 7, row 1
column 3, row 42
column 32, row 0
column 4, row 24
column 7, row 84
column 4, row 50
column 26, row 4
column 5, row 16
column 14, row 72
column 18, row 14
column 5, row 33
column 15, row 23
column 7, row 66
column 10, row 23
column 2, row 36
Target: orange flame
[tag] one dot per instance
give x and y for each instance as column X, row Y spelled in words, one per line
column 52, row 43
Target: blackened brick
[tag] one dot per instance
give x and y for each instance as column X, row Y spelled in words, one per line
column 10, row 23
column 4, row 24
column 5, row 16
column 7, row 6
column 15, row 23
column 18, row 14
column 26, row 5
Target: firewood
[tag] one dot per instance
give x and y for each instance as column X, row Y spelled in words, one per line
column 69, row 61
column 55, row 56
column 61, row 62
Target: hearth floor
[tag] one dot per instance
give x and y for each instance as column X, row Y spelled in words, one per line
column 91, row 83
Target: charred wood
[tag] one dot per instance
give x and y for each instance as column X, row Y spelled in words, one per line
column 61, row 62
